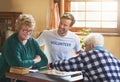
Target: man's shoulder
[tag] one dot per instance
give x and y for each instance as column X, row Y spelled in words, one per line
column 49, row 31
column 72, row 34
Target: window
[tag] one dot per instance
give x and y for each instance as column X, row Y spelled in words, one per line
column 97, row 15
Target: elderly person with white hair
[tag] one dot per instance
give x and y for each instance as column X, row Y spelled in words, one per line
column 94, row 41
column 96, row 63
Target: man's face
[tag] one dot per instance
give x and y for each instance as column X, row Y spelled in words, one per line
column 64, row 26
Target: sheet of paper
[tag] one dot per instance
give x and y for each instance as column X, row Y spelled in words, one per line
column 60, row 73
column 33, row 70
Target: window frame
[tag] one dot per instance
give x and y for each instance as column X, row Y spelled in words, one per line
column 99, row 30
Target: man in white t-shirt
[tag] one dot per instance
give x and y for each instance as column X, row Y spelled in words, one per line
column 60, row 42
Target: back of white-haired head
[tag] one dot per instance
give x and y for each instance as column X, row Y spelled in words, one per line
column 96, row 39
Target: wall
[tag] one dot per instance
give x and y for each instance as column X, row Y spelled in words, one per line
column 112, row 44
column 39, row 8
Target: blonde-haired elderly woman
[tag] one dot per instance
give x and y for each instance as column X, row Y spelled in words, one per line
column 96, row 63
column 20, row 49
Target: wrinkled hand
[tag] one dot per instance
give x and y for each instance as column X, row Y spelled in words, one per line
column 48, row 66
column 37, row 59
column 79, row 52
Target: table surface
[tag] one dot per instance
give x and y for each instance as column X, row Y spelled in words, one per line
column 36, row 77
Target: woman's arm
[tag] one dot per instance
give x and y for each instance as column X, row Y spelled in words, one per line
column 43, row 58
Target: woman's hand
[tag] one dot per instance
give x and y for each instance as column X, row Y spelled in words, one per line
column 37, row 59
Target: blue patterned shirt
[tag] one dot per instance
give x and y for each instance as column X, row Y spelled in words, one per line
column 96, row 66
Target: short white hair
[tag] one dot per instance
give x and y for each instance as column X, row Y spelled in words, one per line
column 96, row 39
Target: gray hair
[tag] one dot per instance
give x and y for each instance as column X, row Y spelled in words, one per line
column 96, row 39
column 24, row 20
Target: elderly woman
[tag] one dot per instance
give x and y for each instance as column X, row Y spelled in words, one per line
column 20, row 49
column 94, row 41
column 96, row 63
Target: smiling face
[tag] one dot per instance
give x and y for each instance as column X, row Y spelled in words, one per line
column 24, row 26
column 64, row 26
column 25, row 33
column 66, row 22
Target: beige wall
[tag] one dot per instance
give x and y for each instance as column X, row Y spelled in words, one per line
column 112, row 44
column 39, row 8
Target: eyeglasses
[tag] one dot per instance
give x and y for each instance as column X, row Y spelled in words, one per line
column 27, row 31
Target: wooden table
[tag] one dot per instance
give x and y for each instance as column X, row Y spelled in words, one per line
column 35, row 77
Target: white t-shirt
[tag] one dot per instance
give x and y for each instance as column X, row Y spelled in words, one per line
column 58, row 47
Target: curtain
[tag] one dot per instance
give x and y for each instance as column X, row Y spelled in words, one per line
column 67, row 6
column 61, row 6
column 54, row 14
